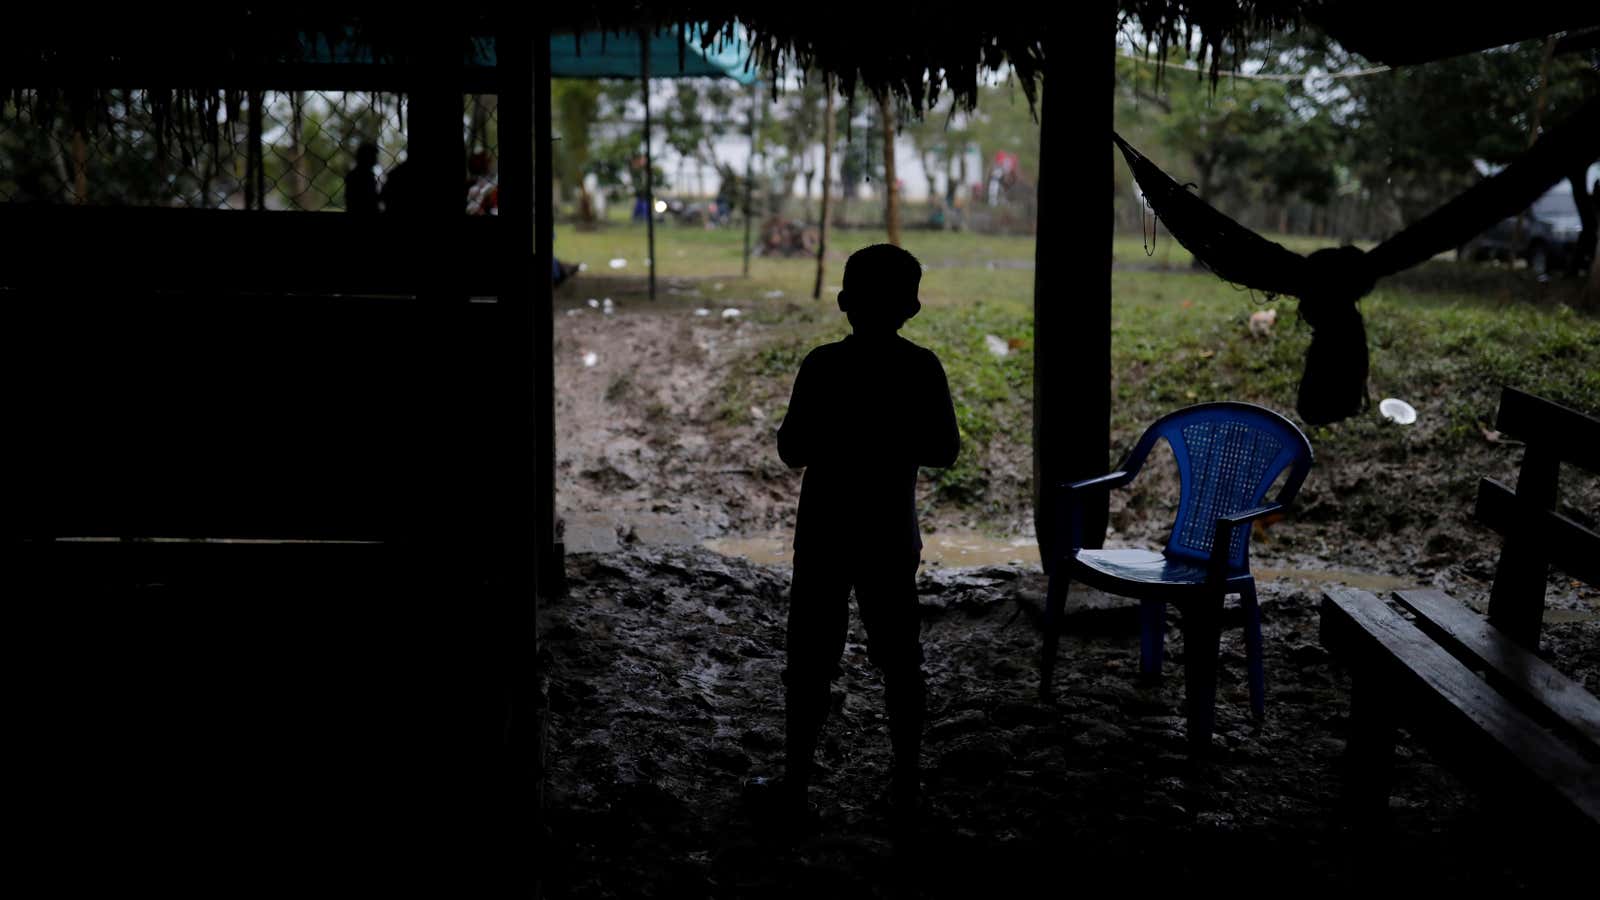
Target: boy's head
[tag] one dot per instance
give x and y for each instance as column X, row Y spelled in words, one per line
column 880, row 288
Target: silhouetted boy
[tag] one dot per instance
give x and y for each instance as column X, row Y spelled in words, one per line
column 866, row 413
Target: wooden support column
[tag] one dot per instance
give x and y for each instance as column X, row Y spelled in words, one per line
column 522, row 298
column 1072, row 274
column 827, row 187
column 552, row 576
column 525, row 345
column 435, row 147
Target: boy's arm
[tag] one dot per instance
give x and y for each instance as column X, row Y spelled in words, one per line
column 794, row 435
column 942, row 441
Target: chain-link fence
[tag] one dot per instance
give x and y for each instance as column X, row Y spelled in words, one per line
column 276, row 150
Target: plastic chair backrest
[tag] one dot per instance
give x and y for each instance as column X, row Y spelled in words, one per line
column 1228, row 454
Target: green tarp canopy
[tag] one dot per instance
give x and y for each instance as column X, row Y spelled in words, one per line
column 594, row 54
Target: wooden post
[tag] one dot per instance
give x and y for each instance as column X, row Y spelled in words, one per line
column 254, row 181
column 526, row 362
column 1072, row 279
column 549, row 563
column 1516, row 601
column 750, row 173
column 435, row 144
column 1369, row 752
column 891, row 186
column 649, row 164
column 827, row 188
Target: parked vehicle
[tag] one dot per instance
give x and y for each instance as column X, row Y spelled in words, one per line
column 1546, row 235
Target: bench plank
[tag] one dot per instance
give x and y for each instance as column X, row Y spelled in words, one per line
column 1472, row 639
column 1575, row 437
column 1365, row 626
column 1562, row 542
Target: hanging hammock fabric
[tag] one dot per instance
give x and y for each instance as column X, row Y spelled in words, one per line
column 1329, row 282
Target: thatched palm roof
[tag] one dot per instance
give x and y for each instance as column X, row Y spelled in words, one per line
column 915, row 53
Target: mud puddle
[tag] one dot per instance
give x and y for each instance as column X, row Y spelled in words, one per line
column 955, row 549
column 950, row 549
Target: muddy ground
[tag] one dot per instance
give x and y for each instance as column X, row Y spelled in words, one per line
column 662, row 666
column 664, row 696
column 643, row 453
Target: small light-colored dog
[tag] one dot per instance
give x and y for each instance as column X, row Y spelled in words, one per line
column 1261, row 322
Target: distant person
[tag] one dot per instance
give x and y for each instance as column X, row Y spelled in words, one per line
column 360, row 184
column 866, row 412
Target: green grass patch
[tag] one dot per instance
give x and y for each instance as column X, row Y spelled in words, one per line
column 1443, row 337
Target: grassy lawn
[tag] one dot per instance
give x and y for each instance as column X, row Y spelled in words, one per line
column 1443, row 337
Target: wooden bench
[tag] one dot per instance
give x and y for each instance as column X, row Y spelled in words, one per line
column 1473, row 689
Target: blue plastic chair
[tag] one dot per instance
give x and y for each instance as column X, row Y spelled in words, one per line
column 1229, row 455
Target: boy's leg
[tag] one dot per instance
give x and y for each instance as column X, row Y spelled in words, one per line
column 819, row 618
column 887, row 596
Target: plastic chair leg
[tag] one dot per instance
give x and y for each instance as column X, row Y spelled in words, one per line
column 1152, row 637
column 1055, row 601
column 1252, row 648
column 1202, row 643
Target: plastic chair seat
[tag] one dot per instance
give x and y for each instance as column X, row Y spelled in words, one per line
column 1142, row 574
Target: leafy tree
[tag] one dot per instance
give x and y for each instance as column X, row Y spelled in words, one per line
column 577, row 106
column 1244, row 141
column 1480, row 106
column 789, row 128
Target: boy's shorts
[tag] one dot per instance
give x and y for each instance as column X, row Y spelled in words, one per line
column 885, row 586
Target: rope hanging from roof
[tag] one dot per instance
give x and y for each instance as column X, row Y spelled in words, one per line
column 1331, row 281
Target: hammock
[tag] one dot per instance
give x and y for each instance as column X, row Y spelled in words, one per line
column 1329, row 282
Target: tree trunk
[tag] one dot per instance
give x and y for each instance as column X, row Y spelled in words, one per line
column 1586, row 213
column 649, row 164
column 750, row 175
column 962, row 171
column 1591, row 294
column 891, row 187
column 80, row 167
column 827, row 188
